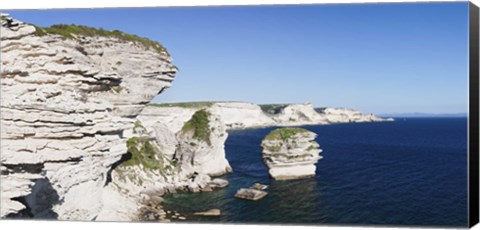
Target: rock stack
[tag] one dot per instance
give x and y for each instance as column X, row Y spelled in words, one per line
column 290, row 153
column 200, row 146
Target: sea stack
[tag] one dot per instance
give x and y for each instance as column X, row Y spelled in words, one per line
column 290, row 153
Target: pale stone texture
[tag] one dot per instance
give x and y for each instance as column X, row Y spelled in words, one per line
column 241, row 115
column 200, row 156
column 291, row 157
column 64, row 107
column 188, row 164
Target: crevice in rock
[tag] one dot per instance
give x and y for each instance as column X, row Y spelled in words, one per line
column 125, row 157
column 81, row 49
column 70, row 160
column 24, row 168
column 110, row 133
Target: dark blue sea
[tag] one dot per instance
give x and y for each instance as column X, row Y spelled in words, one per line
column 409, row 172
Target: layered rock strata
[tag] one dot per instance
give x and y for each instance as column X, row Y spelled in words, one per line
column 290, row 153
column 162, row 162
column 67, row 99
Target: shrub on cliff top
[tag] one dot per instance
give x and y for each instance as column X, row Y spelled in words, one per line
column 71, row 31
column 272, row 108
column 198, row 124
column 194, row 104
column 284, row 133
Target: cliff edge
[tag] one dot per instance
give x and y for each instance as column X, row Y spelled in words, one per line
column 68, row 94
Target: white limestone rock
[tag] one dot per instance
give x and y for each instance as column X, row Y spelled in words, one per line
column 344, row 115
column 290, row 153
column 64, row 108
column 166, row 162
column 242, row 115
column 172, row 117
column 201, row 145
column 299, row 114
column 238, row 115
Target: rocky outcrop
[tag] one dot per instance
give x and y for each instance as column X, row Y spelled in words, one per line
column 172, row 118
column 299, row 114
column 290, row 153
column 250, row 194
column 161, row 162
column 67, row 98
column 201, row 145
column 237, row 115
column 344, row 115
column 240, row 115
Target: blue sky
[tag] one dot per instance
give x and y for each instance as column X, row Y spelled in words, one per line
column 380, row 58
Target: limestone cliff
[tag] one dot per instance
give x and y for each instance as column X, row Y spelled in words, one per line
column 290, row 153
column 68, row 95
column 161, row 161
column 240, row 115
column 299, row 114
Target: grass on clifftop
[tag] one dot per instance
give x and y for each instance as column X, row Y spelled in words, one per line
column 284, row 133
column 198, row 124
column 194, row 104
column 71, row 31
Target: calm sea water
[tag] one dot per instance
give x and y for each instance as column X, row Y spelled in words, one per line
column 408, row 172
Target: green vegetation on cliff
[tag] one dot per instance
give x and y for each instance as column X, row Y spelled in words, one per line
column 272, row 108
column 194, row 104
column 284, row 133
column 72, row 31
column 198, row 124
column 143, row 153
column 146, row 155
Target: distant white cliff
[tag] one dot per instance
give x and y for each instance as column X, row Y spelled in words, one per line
column 240, row 115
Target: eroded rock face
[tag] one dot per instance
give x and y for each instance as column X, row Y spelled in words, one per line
column 290, row 153
column 201, row 147
column 163, row 162
column 238, row 115
column 344, row 115
column 65, row 105
column 299, row 114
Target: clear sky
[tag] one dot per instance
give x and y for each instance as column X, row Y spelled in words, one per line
column 380, row 58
